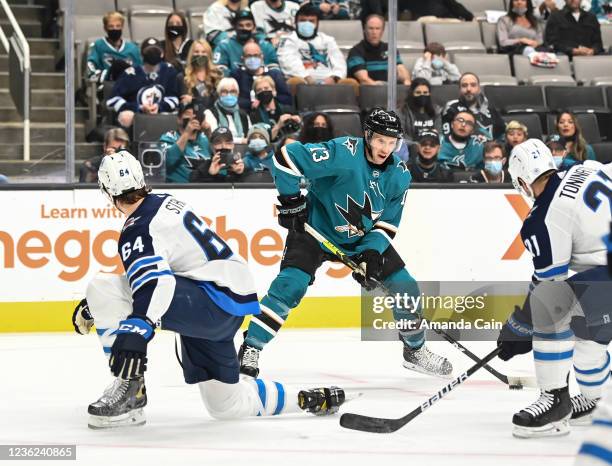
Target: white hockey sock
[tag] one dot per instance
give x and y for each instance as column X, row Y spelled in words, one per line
column 552, row 355
column 592, row 367
column 596, row 450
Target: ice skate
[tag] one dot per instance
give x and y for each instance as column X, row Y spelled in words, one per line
column 249, row 360
column 582, row 410
column 120, row 405
column 548, row 416
column 321, row 401
column 424, row 361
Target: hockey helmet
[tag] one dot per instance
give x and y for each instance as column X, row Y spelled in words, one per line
column 120, row 173
column 528, row 161
column 383, row 122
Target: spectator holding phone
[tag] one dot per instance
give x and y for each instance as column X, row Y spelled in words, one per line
column 225, row 165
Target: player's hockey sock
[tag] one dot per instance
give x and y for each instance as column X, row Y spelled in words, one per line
column 592, row 367
column 401, row 283
column 285, row 293
column 552, row 354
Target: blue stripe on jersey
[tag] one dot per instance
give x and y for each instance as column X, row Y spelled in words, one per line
column 597, row 451
column 261, row 390
column 280, row 399
column 106, row 349
column 137, row 264
column 232, row 303
column 594, row 371
column 559, row 270
column 141, row 272
column 554, row 336
column 593, row 384
column 148, row 277
column 602, row 422
column 542, row 356
column 100, row 331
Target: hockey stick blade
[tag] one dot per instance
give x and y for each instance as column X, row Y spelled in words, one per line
column 386, row 426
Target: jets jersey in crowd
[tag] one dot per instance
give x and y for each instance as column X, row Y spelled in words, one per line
column 356, row 205
column 102, row 54
column 164, row 238
column 135, row 88
column 319, row 57
column 274, row 21
column 565, row 227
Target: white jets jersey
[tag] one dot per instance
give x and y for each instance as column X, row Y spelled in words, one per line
column 274, row 21
column 565, row 227
column 164, row 238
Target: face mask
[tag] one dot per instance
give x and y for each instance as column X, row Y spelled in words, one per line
column 437, row 64
column 152, row 56
column 494, row 166
column 258, row 145
column 422, row 101
column 519, row 11
column 252, row 63
column 427, row 162
column 228, row 101
column 235, row 1
column 199, row 61
column 175, row 31
column 265, row 97
column 306, row 29
column 242, row 35
column 319, row 133
column 558, row 160
column 114, row 34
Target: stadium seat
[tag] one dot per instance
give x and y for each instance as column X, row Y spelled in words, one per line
column 588, row 124
column 561, row 75
column 478, row 7
column 90, row 7
column 125, row 5
column 184, row 5
column 530, row 120
column 195, row 16
column 153, row 161
column 464, row 37
column 373, row 96
column 86, row 27
column 606, row 36
column 148, row 22
column 517, row 99
column 410, row 59
column 149, row 128
column 489, row 35
column 603, row 151
column 346, row 33
column 583, row 99
column 409, row 36
column 491, row 69
column 346, row 124
column 444, row 93
column 595, row 71
column 311, row 97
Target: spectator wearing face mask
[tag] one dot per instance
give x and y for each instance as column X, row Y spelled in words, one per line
column 267, row 110
column 176, row 44
column 186, row 148
column 435, row 67
column 109, row 56
column 259, row 156
column 225, row 165
column 115, row 139
column 218, row 19
column 225, row 112
column 425, row 168
column 494, row 170
column 489, row 122
column 253, row 68
column 419, row 113
column 275, row 18
column 151, row 88
column 317, row 127
column 556, row 144
column 229, row 52
column 461, row 149
column 520, row 32
column 201, row 75
column 516, row 133
column 578, row 150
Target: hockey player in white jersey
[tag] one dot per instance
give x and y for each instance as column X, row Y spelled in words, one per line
column 182, row 275
column 571, row 316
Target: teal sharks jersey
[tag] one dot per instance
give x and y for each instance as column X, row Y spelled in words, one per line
column 356, row 205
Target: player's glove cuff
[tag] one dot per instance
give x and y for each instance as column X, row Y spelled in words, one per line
column 81, row 318
column 129, row 351
column 292, row 212
column 371, row 262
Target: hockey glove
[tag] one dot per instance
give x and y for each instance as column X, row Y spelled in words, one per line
column 128, row 358
column 292, row 212
column 515, row 336
column 371, row 263
column 81, row 318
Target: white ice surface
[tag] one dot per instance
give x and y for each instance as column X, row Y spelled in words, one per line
column 49, row 379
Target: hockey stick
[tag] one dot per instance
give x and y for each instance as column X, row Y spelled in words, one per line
column 514, row 382
column 386, row 426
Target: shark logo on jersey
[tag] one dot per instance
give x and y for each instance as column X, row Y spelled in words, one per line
column 354, row 213
column 403, row 166
column 351, row 145
column 277, row 26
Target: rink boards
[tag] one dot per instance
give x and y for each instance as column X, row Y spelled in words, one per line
column 53, row 241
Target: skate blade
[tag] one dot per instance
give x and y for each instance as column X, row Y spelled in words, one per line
column 582, row 421
column 554, row 429
column 421, row 370
column 136, row 417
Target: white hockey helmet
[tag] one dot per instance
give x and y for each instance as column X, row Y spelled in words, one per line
column 528, row 161
column 120, row 173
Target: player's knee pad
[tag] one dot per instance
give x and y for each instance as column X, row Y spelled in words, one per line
column 226, row 401
column 289, row 287
column 591, row 366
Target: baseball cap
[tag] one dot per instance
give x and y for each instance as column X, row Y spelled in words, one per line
column 148, row 42
column 242, row 15
column 221, row 134
column 428, row 135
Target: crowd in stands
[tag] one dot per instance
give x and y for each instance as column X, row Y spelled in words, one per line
column 234, row 86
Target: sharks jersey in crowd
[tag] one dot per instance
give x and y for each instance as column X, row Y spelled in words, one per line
column 462, row 155
column 102, row 54
column 135, row 88
column 162, row 238
column 566, row 224
column 179, row 163
column 274, row 21
column 228, row 54
column 356, row 205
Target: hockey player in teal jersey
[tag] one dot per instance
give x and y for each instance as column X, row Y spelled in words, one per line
column 356, row 194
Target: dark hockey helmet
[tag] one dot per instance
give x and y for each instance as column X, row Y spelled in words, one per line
column 383, row 122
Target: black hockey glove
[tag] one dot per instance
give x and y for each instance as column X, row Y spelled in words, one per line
column 81, row 318
column 372, row 263
column 292, row 212
column 128, row 358
column 515, row 336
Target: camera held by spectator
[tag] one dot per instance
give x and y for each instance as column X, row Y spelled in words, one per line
column 225, row 164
